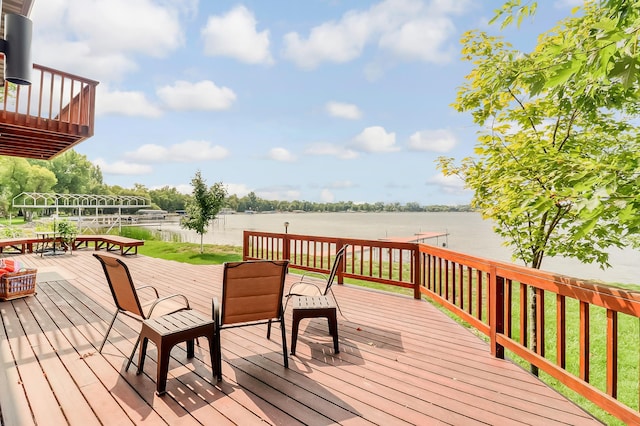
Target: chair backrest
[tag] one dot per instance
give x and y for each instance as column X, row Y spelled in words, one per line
column 252, row 290
column 334, row 268
column 121, row 284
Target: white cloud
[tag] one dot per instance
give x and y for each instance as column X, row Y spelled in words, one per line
column 375, row 139
column 124, row 103
column 450, row 7
column 408, row 29
column 440, row 140
column 331, row 150
column 421, row 39
column 234, row 34
column 327, row 196
column 331, row 42
column 185, row 152
column 278, row 193
column 147, row 27
column 204, row 95
column 343, row 110
column 183, row 188
column 98, row 40
column 122, row 168
column 450, row 184
column 239, row 189
column 281, row 154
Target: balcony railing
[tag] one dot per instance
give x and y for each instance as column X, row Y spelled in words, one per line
column 47, row 117
column 495, row 298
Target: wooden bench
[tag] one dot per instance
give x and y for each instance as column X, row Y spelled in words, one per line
column 24, row 245
column 127, row 246
column 20, row 245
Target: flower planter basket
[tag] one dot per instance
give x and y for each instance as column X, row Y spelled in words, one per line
column 18, row 284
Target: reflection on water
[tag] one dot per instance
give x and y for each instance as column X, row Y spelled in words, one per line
column 468, row 233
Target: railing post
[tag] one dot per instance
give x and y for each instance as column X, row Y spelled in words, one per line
column 417, row 268
column 245, row 245
column 496, row 312
column 340, row 274
column 286, row 247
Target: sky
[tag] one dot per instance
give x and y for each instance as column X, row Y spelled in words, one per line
column 314, row 100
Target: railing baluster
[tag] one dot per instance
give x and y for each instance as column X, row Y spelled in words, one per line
column 524, row 315
column 540, row 340
column 612, row 353
column 461, row 284
column 561, row 331
column 585, row 348
column 479, row 294
column 508, row 300
column 469, row 290
column 446, row 279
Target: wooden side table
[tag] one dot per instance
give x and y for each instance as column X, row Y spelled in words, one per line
column 167, row 331
column 314, row 307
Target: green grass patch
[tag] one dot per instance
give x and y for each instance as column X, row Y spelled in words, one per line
column 190, row 252
column 15, row 221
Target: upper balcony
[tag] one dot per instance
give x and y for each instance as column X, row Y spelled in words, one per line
column 51, row 115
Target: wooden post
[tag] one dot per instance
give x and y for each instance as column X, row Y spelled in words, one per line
column 286, row 247
column 496, row 312
column 416, row 271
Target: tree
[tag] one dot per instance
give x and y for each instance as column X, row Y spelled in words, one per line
column 556, row 164
column 168, row 198
column 75, row 174
column 204, row 206
column 597, row 54
column 17, row 175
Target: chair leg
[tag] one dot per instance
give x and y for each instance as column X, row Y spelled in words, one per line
column 284, row 342
column 142, row 355
column 132, row 353
column 218, row 354
column 269, row 330
column 212, row 353
column 108, row 330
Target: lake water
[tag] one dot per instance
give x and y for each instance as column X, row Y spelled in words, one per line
column 468, row 233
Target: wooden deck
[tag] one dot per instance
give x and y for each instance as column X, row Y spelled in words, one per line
column 402, row 361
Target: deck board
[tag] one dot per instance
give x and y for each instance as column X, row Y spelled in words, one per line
column 401, row 361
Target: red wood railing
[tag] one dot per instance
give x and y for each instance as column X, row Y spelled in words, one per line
column 63, row 101
column 495, row 298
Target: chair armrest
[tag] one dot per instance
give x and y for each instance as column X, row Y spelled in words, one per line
column 300, row 284
column 325, row 277
column 146, row 286
column 171, row 296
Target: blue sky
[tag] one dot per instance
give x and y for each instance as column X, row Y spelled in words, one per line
column 317, row 100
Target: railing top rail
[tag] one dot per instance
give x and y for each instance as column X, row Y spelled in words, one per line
column 350, row 241
column 66, row 74
column 621, row 300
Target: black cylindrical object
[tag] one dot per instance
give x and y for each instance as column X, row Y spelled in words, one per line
column 17, row 57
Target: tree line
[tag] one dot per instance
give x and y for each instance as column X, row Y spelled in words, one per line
column 73, row 173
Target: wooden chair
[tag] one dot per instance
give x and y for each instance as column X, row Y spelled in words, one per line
column 305, row 287
column 125, row 296
column 252, row 293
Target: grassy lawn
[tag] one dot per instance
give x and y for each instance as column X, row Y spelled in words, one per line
column 190, row 253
